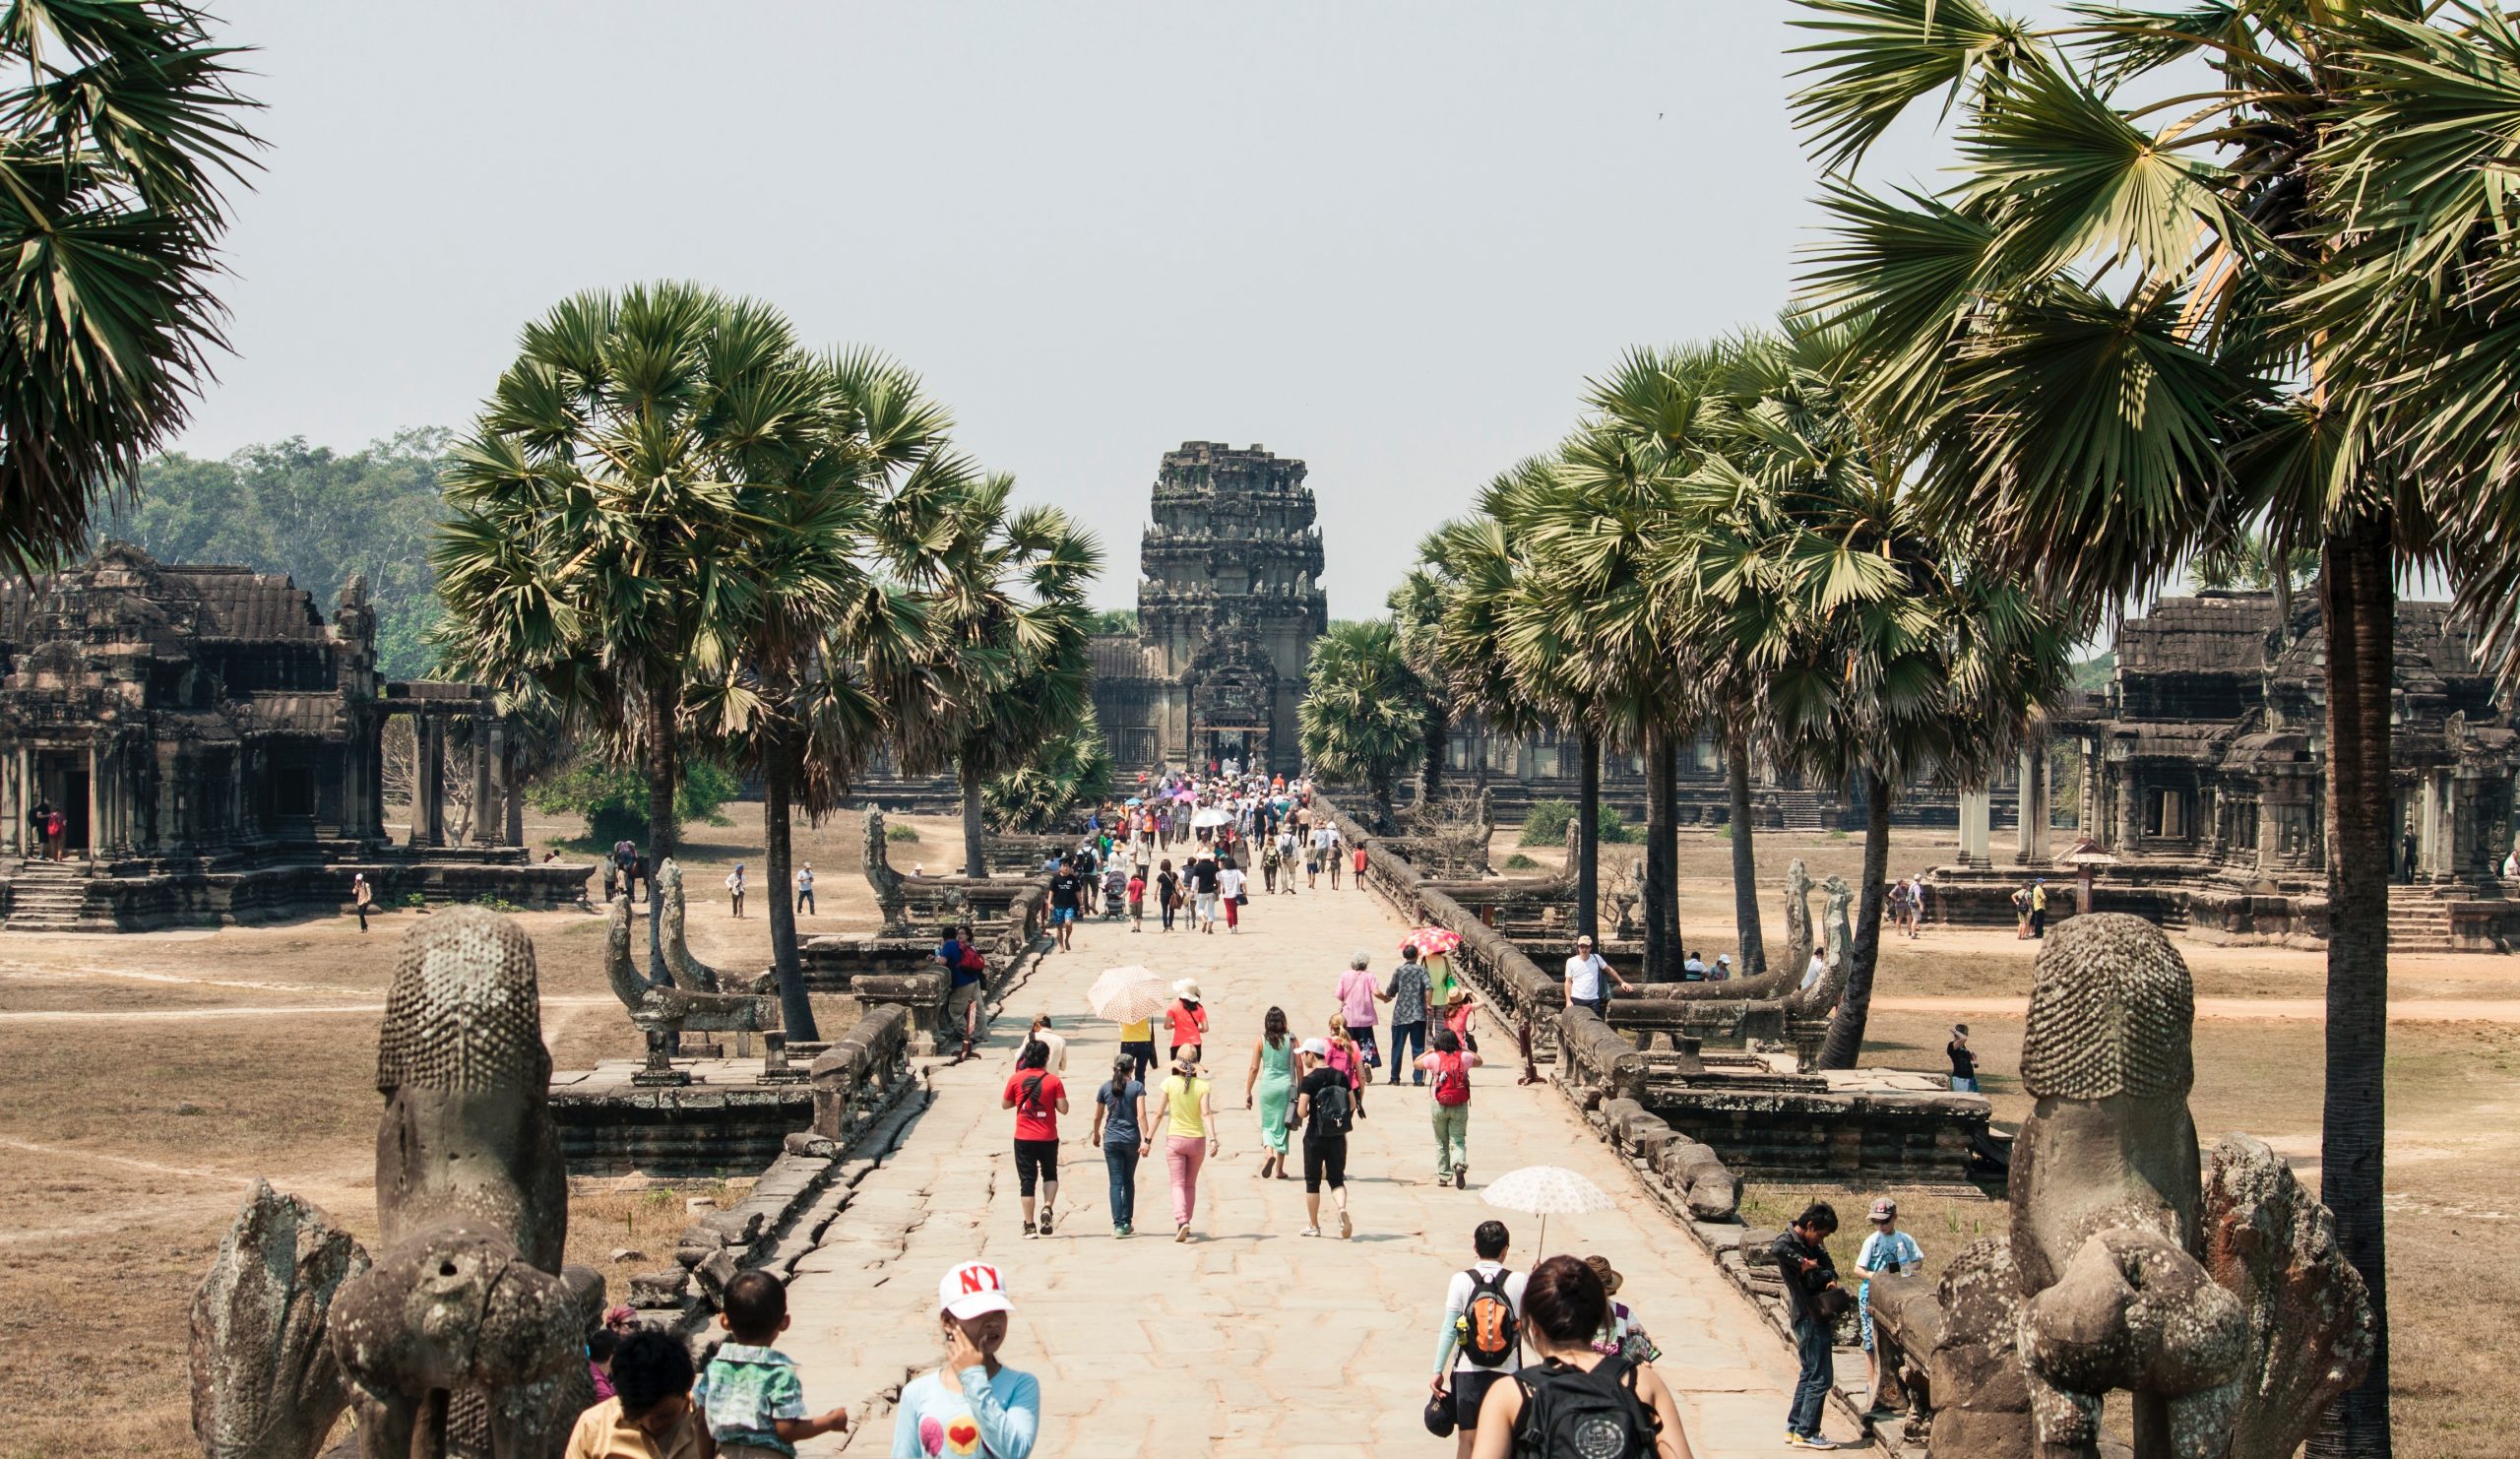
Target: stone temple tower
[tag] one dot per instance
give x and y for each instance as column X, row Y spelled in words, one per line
column 1228, row 605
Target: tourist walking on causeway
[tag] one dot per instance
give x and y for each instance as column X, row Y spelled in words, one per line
column 1119, row 1128
column 749, row 1393
column 1289, row 851
column 1577, row 1402
column 1813, row 1301
column 1230, row 882
column 1406, row 994
column 1886, row 1252
column 1273, row 1075
column 1168, row 893
column 1186, row 1117
column 650, row 1415
column 1137, row 899
column 1586, row 971
column 1344, row 1057
column 1186, row 1020
column 1451, row 1064
column 1624, row 1336
column 973, row 1405
column 1480, row 1340
column 1067, row 895
column 1358, row 992
column 1041, row 1032
column 1323, row 1100
column 736, row 888
column 1038, row 1098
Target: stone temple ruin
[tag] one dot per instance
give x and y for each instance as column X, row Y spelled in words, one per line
column 1227, row 609
column 2203, row 784
column 218, row 751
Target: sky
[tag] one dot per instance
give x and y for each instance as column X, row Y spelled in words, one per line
column 1389, row 239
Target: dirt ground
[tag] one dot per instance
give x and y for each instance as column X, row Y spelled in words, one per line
column 154, row 1076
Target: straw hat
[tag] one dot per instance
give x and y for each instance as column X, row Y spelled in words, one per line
column 1188, row 988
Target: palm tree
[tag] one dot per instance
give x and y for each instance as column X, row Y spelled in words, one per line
column 601, row 509
column 1884, row 651
column 1006, row 594
column 114, row 148
column 2271, row 302
column 1363, row 713
column 1417, row 620
column 1067, row 771
column 831, row 654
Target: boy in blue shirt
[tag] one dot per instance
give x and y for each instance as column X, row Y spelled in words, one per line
column 749, row 1392
column 1887, row 1252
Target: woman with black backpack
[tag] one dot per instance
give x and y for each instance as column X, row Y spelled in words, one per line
column 1577, row 1402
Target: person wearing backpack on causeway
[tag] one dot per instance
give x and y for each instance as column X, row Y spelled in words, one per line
column 1038, row 1098
column 1813, row 1300
column 1324, row 1099
column 1575, row 1402
column 1451, row 1064
column 1481, row 1337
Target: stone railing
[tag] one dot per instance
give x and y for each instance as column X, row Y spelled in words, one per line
column 862, row 1087
column 858, row 1078
column 1605, row 1077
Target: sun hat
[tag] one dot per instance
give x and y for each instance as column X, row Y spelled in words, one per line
column 972, row 1290
column 1885, row 1209
column 1602, row 1268
column 1187, row 987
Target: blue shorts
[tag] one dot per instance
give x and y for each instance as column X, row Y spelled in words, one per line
column 1060, row 915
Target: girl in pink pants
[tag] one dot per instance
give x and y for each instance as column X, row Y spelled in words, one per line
column 1186, row 1122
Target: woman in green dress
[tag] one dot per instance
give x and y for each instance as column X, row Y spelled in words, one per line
column 1273, row 1074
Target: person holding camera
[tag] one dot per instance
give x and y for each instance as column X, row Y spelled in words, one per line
column 1815, row 1301
column 1886, row 1252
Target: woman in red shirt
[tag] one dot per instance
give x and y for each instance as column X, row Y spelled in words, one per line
column 1038, row 1098
column 1187, row 1021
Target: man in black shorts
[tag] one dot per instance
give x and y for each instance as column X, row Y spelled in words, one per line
column 1481, row 1334
column 1324, row 1105
column 1066, row 887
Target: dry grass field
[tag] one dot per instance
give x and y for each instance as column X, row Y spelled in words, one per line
column 153, row 1077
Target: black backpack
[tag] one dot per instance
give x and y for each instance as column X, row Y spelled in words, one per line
column 1571, row 1414
column 1331, row 1110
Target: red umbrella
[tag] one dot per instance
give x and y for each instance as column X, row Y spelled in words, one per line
column 1435, row 941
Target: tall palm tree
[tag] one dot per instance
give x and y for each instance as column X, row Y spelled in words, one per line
column 1417, row 620
column 1364, row 712
column 1884, row 651
column 1066, row 772
column 831, row 656
column 1005, row 591
column 601, row 509
column 115, row 146
column 2272, row 300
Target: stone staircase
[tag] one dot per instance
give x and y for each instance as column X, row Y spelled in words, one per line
column 47, row 897
column 1807, row 810
column 2418, row 922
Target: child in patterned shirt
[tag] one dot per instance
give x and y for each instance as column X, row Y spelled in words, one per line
column 750, row 1393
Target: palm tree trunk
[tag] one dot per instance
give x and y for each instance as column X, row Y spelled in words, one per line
column 1658, row 931
column 1378, row 786
column 1439, row 738
column 665, row 761
column 1854, row 1002
column 1588, row 840
column 796, row 1006
column 1745, row 861
column 975, row 830
column 2359, row 601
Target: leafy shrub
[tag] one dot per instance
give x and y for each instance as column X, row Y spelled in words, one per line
column 901, row 833
column 613, row 798
column 1520, row 863
column 1546, row 825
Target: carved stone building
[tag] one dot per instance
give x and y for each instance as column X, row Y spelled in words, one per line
column 2203, row 779
column 1229, row 602
column 217, row 750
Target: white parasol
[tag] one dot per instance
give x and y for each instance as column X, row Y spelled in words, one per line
column 1128, row 995
column 1210, row 817
column 1545, row 1191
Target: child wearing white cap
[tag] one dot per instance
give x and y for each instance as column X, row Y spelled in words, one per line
column 1888, row 1251
column 974, row 1405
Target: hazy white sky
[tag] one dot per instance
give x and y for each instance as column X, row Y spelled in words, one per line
column 1390, row 239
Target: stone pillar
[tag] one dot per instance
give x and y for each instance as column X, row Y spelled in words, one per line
column 2032, row 839
column 493, row 819
column 1977, row 827
column 486, row 811
column 2428, row 827
column 2087, row 813
column 96, row 802
column 13, row 804
column 428, row 810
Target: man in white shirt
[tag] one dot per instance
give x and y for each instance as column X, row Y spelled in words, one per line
column 1055, row 1044
column 1466, row 1380
column 806, row 887
column 1583, row 974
